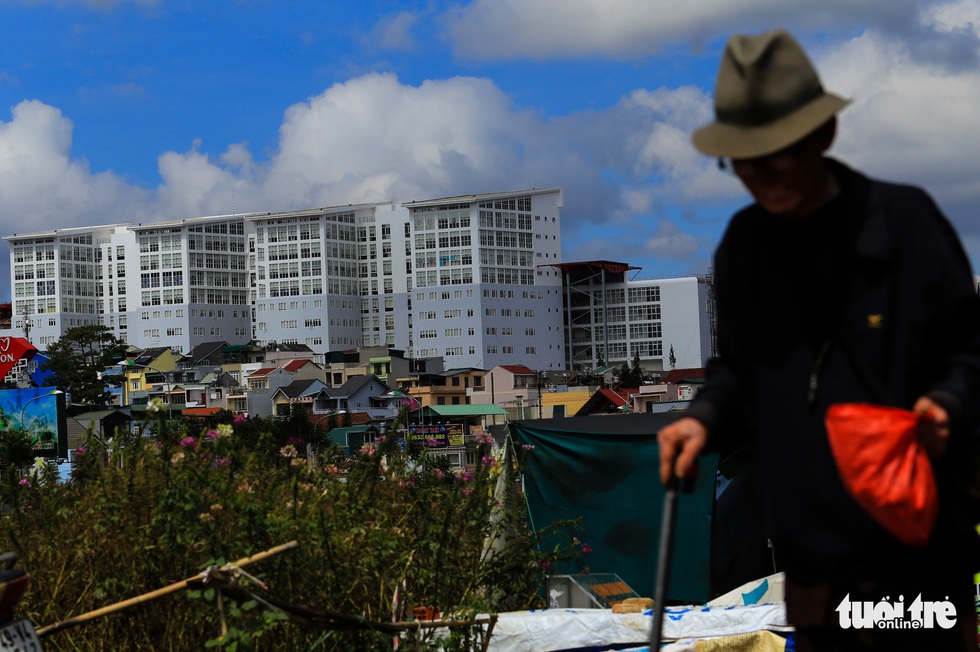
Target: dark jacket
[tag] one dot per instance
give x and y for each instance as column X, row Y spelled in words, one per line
column 879, row 270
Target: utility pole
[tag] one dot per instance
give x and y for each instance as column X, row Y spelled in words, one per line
column 540, row 374
column 26, row 316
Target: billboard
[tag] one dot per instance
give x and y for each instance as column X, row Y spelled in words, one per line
column 41, row 411
column 438, row 436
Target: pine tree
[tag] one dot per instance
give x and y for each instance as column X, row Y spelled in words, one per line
column 77, row 362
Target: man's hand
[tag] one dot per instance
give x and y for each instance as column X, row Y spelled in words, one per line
column 680, row 443
column 933, row 429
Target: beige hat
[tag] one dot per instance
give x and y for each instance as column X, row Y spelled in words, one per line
column 767, row 97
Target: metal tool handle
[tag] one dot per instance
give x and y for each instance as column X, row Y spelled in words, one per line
column 663, row 560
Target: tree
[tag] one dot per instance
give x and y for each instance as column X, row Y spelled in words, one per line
column 671, row 358
column 636, row 371
column 77, row 361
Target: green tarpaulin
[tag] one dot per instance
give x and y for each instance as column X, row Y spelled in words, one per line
column 604, row 471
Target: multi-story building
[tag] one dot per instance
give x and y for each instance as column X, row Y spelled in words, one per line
column 331, row 278
column 609, row 318
column 463, row 278
column 481, row 295
column 174, row 284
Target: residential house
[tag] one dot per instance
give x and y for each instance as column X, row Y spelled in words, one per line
column 608, row 401
column 450, row 387
column 515, row 388
column 385, row 362
column 263, row 383
column 299, row 392
column 148, row 373
column 102, row 424
column 277, row 353
column 361, row 394
column 674, row 392
column 204, row 359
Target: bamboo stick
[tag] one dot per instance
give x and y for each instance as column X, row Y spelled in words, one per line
column 159, row 593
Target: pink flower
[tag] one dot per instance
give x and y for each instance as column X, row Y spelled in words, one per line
column 239, row 419
column 188, row 442
column 24, row 482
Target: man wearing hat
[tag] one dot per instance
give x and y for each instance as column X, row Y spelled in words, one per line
column 832, row 288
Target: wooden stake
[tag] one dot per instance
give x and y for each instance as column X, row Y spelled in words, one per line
column 159, row 593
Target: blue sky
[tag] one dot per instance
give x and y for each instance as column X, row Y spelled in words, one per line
column 117, row 111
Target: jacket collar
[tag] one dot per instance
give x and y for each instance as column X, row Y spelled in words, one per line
column 872, row 240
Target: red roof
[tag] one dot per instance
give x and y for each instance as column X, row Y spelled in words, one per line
column 356, row 418
column 264, row 371
column 517, row 369
column 295, row 365
column 683, row 376
column 619, row 397
column 200, row 412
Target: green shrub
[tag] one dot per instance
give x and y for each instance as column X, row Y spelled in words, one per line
column 378, row 534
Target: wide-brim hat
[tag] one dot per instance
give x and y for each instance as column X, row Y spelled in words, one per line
column 767, row 97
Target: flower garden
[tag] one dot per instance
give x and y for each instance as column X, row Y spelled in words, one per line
column 381, row 536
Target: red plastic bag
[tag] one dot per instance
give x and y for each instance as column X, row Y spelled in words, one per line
column 885, row 467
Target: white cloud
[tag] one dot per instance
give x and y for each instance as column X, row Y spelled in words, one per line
column 394, row 31
column 515, row 29
column 911, row 120
column 951, row 16
column 628, row 168
column 41, row 184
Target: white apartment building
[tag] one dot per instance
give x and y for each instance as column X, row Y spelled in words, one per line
column 173, row 284
column 466, row 278
column 331, row 278
column 483, row 292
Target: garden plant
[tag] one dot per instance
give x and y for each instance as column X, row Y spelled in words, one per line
column 380, row 532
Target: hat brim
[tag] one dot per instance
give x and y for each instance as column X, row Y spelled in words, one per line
column 751, row 141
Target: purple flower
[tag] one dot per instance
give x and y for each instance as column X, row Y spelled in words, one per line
column 586, row 549
column 239, row 419
column 188, row 442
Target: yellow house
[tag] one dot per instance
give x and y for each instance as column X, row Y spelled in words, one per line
column 146, row 372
